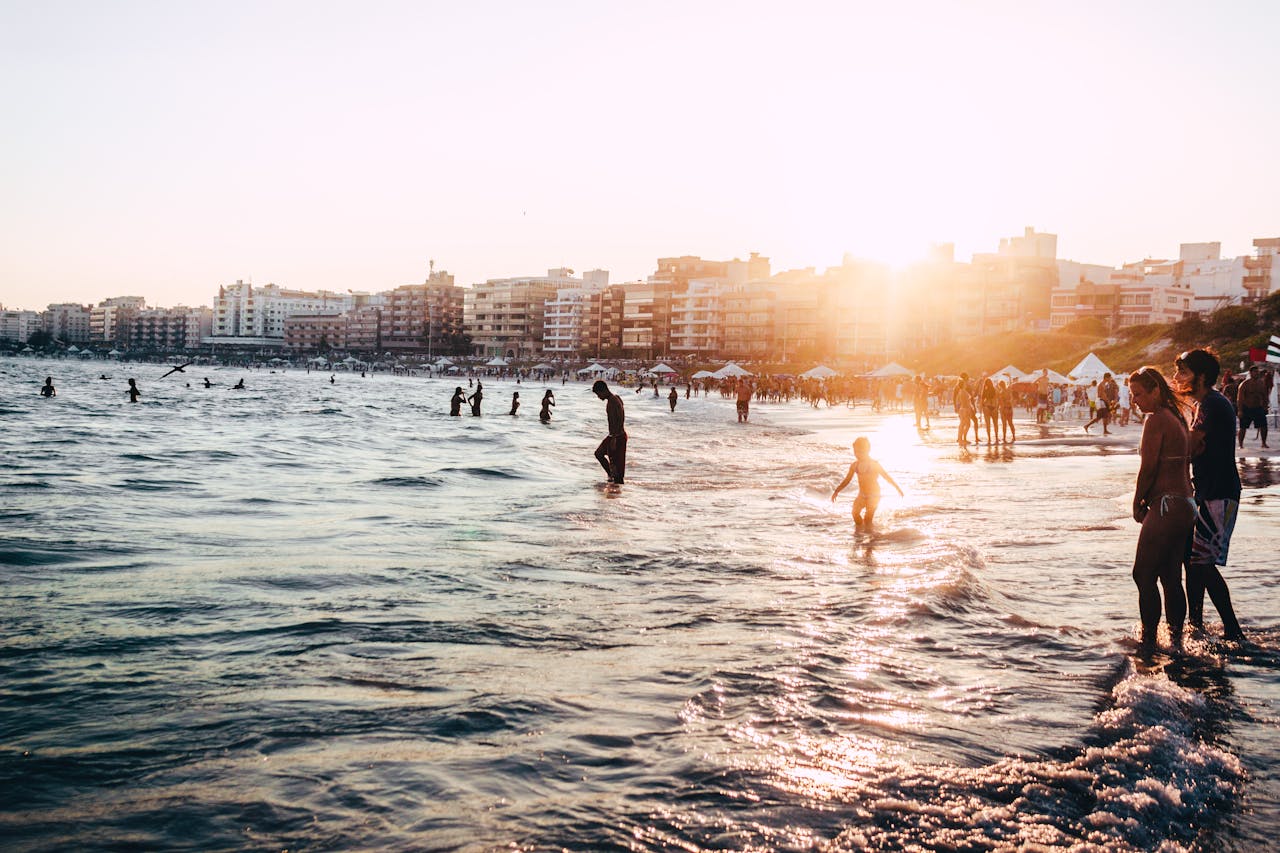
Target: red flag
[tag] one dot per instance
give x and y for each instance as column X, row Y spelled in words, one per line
column 1257, row 354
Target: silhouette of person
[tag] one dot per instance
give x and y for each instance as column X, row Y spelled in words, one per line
column 475, row 399
column 48, row 390
column 515, row 402
column 868, row 471
column 673, row 397
column 332, row 379
column 612, row 452
column 207, row 383
column 239, row 386
column 455, row 404
column 548, row 400
column 133, row 391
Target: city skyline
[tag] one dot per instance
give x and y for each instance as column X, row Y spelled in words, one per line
column 164, row 151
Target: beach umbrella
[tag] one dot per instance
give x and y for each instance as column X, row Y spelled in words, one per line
column 891, row 369
column 704, row 374
column 319, row 360
column 662, row 368
column 732, row 369
column 593, row 367
column 542, row 366
column 114, row 353
column 84, row 353
column 496, row 361
column 73, row 348
column 819, row 372
column 444, row 361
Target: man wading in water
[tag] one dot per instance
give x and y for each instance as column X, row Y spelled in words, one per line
column 612, row 452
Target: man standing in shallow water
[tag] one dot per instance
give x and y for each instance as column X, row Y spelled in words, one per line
column 612, row 452
column 1217, row 488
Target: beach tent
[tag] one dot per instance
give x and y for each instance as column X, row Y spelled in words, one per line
column 444, row 362
column 114, row 353
column 591, row 368
column 73, row 348
column 891, row 369
column 496, row 361
column 1054, row 376
column 84, row 353
column 704, row 374
column 732, row 369
column 542, row 366
column 319, row 360
column 1013, row 373
column 819, row 372
column 1090, row 368
column 661, row 368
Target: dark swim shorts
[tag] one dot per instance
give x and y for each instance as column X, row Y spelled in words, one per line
column 1250, row 416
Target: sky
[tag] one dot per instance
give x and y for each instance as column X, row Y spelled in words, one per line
column 161, row 149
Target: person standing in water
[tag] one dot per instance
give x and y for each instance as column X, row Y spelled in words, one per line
column 1163, row 505
column 455, row 404
column 1004, row 401
column 548, row 400
column 133, row 391
column 515, row 402
column 1217, row 488
column 673, row 397
column 744, row 400
column 476, row 397
column 1251, row 404
column 48, row 390
column 612, row 452
column 868, row 472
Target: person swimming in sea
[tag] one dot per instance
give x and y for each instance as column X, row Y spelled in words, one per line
column 133, row 391
column 455, row 403
column 868, row 472
column 548, row 400
column 515, row 402
column 239, row 386
column 207, row 383
column 48, row 390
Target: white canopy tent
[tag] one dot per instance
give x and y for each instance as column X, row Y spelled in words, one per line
column 819, row 372
column 1013, row 373
column 1054, row 376
column 73, row 349
column 662, row 368
column 890, row 369
column 704, row 374
column 496, row 361
column 732, row 369
column 593, row 367
column 444, row 362
column 542, row 366
column 1090, row 368
column 114, row 353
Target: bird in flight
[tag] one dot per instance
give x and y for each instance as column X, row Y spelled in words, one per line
column 179, row 369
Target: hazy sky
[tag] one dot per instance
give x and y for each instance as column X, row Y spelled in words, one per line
column 162, row 148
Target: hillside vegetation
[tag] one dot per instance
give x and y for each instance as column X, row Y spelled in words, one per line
column 1231, row 331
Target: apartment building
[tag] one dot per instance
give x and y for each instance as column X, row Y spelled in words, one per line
column 426, row 317
column 17, row 325
column 505, row 316
column 68, row 322
column 167, row 329
column 247, row 314
column 109, row 319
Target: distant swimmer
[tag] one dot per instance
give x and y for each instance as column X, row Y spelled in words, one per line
column 332, row 379
column 515, row 402
column 133, row 391
column 239, row 386
column 48, row 390
column 455, row 404
column 548, row 400
column 869, row 472
column 104, row 376
column 612, row 452
column 475, row 399
column 179, row 368
column 673, row 397
column 207, row 383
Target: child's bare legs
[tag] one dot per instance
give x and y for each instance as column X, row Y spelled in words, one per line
column 864, row 510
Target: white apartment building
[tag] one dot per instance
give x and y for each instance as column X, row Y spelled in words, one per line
column 106, row 319
column 1216, row 281
column 696, row 327
column 68, row 322
column 506, row 316
column 567, row 324
column 18, row 325
column 257, row 314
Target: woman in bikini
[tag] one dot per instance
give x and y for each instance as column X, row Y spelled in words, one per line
column 1162, row 504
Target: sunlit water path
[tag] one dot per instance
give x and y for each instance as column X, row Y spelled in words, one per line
column 325, row 616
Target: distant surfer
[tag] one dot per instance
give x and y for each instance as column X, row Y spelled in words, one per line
column 48, row 390
column 455, row 403
column 133, row 391
column 548, row 400
column 612, row 452
column 868, row 471
column 1163, row 505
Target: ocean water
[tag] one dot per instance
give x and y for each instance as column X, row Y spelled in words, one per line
column 315, row 616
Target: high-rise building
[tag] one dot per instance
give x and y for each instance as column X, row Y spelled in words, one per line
column 16, row 325
column 109, row 319
column 68, row 322
column 258, row 314
column 167, row 329
column 1262, row 271
column 426, row 317
column 505, row 316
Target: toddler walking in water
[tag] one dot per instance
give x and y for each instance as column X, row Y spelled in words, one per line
column 869, row 472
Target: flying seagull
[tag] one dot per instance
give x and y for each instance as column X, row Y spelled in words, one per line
column 179, row 369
